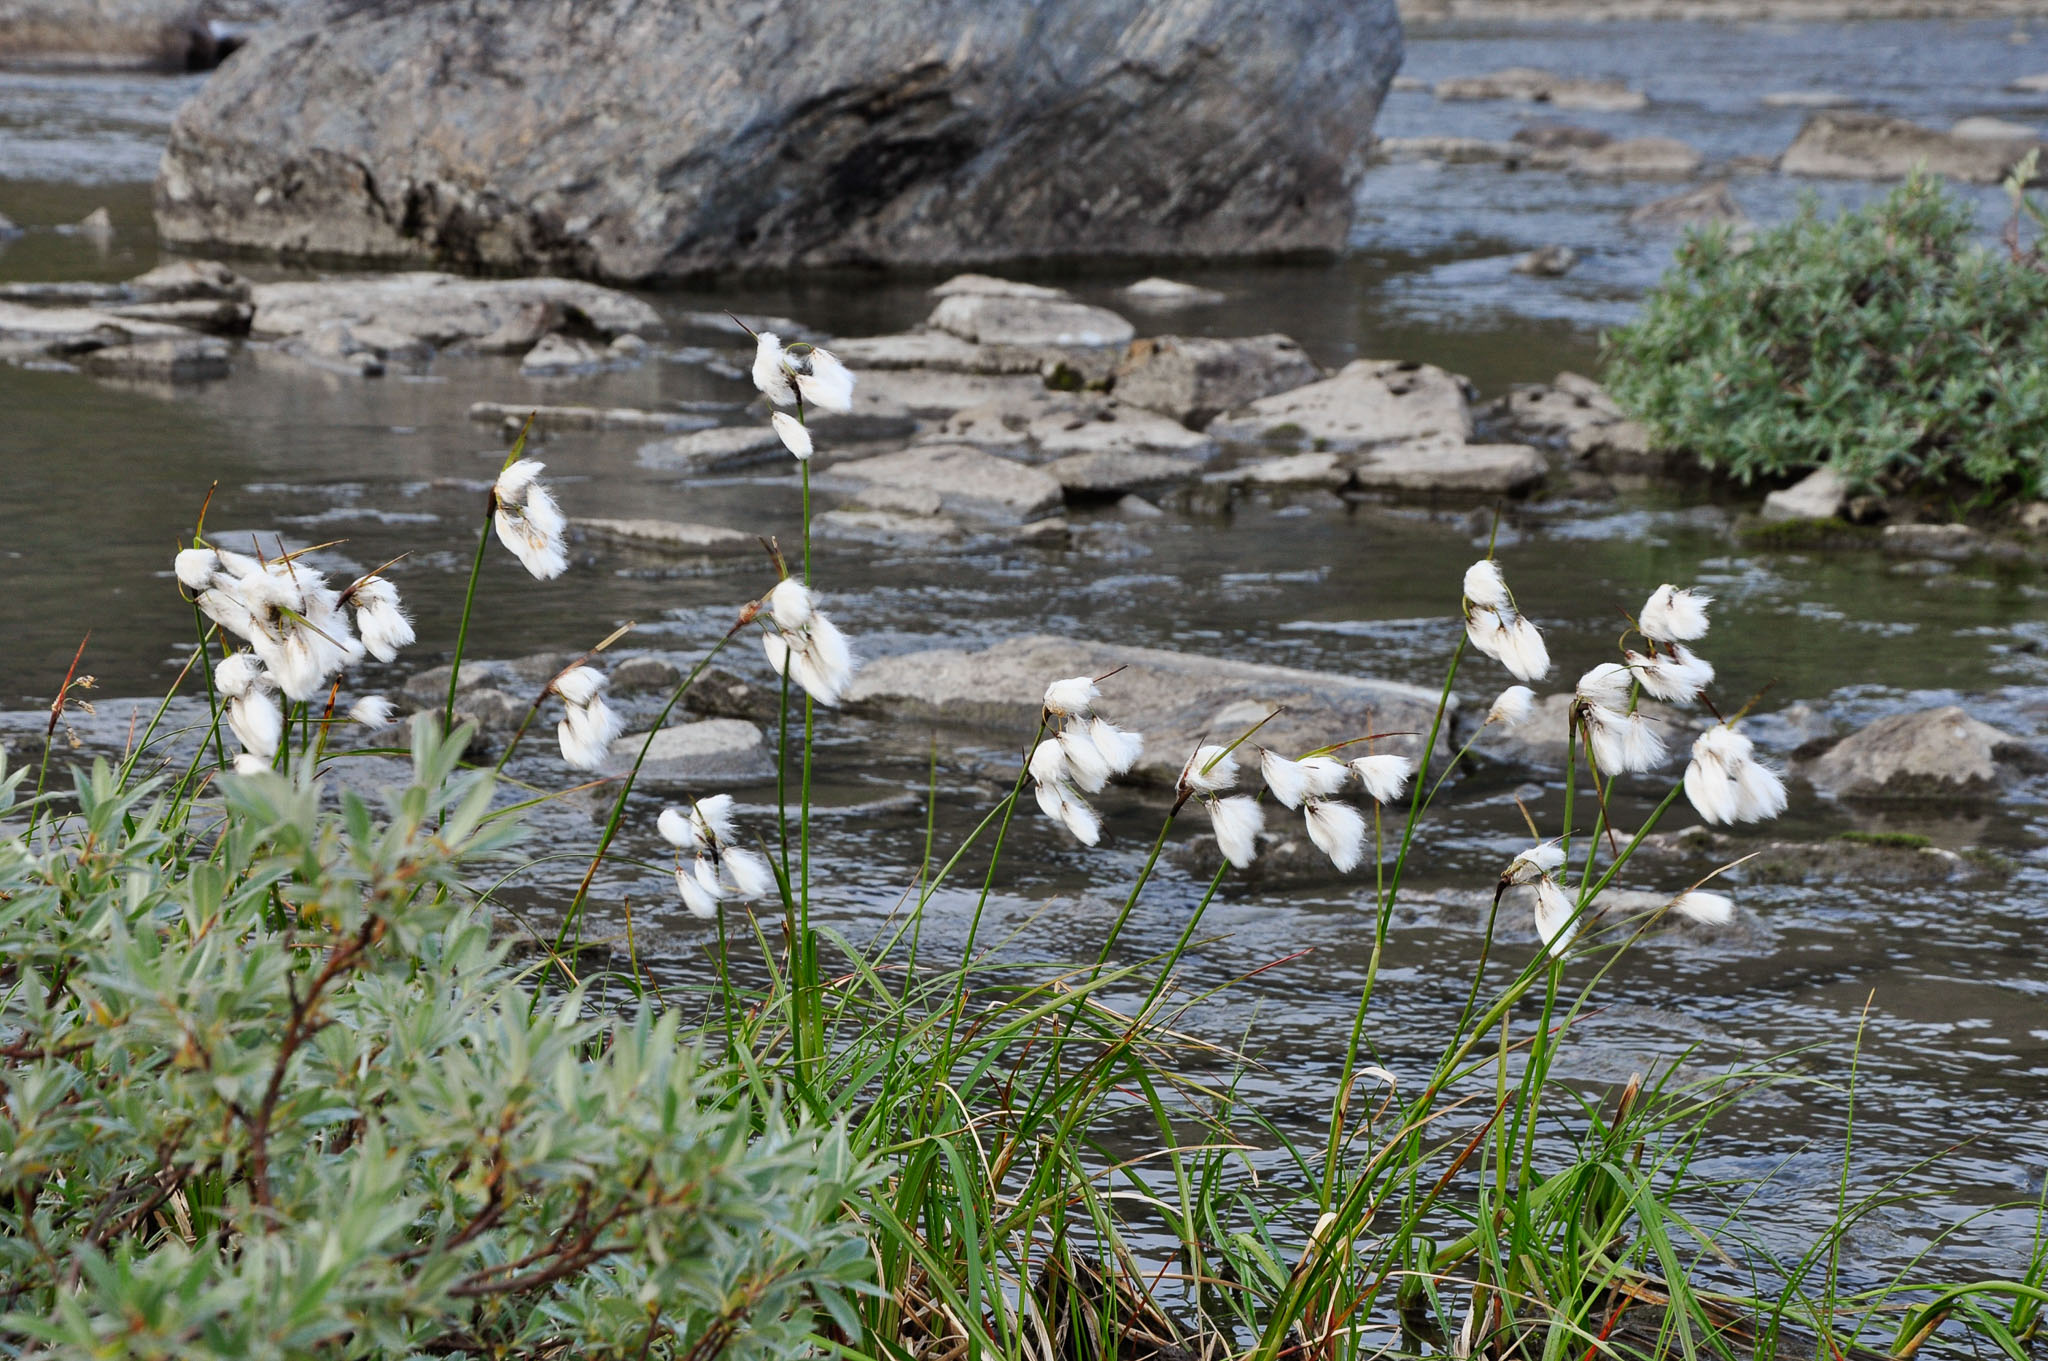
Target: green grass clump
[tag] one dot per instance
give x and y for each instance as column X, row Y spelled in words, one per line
column 1887, row 344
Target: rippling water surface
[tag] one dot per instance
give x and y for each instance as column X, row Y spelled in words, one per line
column 1948, row 982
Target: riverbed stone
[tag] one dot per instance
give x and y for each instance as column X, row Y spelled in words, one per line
column 1107, row 474
column 173, row 359
column 668, row 538
column 969, row 482
column 1699, row 206
column 928, row 348
column 1852, row 858
column 645, row 674
column 1005, row 319
column 1551, row 413
column 1546, row 262
column 60, row 331
column 1113, row 427
column 934, row 393
column 1176, row 700
column 1820, row 495
column 2030, row 85
column 556, row 355
column 888, row 528
column 1983, row 128
column 1931, row 754
column 1807, row 99
column 1533, row 85
column 221, row 318
column 1658, row 158
column 930, row 132
column 1447, row 150
column 1314, row 469
column 159, row 35
column 514, row 415
column 1440, row 465
column 1194, row 379
column 1163, row 294
column 715, row 450
column 1873, row 146
column 704, row 751
column 442, row 310
column 1368, row 401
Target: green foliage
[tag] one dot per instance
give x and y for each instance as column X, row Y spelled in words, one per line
column 275, row 1091
column 1885, row 344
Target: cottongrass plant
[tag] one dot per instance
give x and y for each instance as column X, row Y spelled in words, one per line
column 271, row 1088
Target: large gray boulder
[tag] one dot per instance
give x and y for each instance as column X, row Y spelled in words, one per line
column 1873, row 146
column 163, row 35
column 1932, row 754
column 631, row 141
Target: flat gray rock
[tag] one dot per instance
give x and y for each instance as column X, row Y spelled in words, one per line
column 156, row 35
column 1113, row 473
column 671, row 537
column 1933, row 754
column 1438, row 465
column 929, row 349
column 1692, row 207
column 1177, row 700
column 1658, row 158
column 1368, row 401
column 443, row 310
column 932, row 393
column 556, row 355
column 1315, row 469
column 887, row 528
column 1003, row 319
column 706, row 751
column 1871, row 146
column 1820, row 495
column 72, row 330
column 968, row 481
column 1194, row 379
column 514, row 414
column 1164, row 294
column 715, row 450
column 1114, row 427
column 1533, row 85
column 625, row 141
column 180, row 359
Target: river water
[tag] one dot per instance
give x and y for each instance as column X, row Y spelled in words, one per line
column 97, row 482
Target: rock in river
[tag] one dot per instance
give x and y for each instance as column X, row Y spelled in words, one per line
column 1932, row 754
column 1872, row 146
column 1177, row 700
column 967, row 481
column 161, row 35
column 441, row 310
column 1369, row 401
column 631, row 141
column 1194, row 379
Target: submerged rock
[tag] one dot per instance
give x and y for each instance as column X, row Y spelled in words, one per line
column 710, row 749
column 1694, row 207
column 714, row 450
column 178, row 359
column 1194, row 379
column 1533, row 85
column 159, row 35
column 61, row 331
column 1156, row 292
column 666, row 538
column 966, row 480
column 443, row 311
column 1663, row 158
column 557, row 355
column 1873, row 146
column 1448, row 466
column 460, row 132
column 1932, row 754
column 513, row 416
column 1546, row 262
column 1864, row 858
column 1177, row 700
column 1368, row 401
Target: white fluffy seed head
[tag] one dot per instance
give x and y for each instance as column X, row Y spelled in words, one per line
column 1709, row 909
column 1678, row 678
column 1312, row 777
column 770, row 371
column 678, row 830
column 372, row 711
column 1675, row 615
column 579, row 684
column 1523, row 651
column 1554, row 915
column 587, row 732
column 824, row 381
column 237, row 674
column 257, row 722
column 749, row 871
column 1048, row 764
column 1237, row 821
column 795, row 437
column 1543, row 858
column 1514, row 707
column 196, row 568
column 713, row 817
column 1087, row 768
column 1606, row 685
column 699, row 901
column 528, row 522
column 1118, row 747
column 1484, row 585
column 1384, row 776
column 791, row 604
column 1062, row 803
column 249, row 763
column 1210, row 770
column 1338, row 830
column 1622, row 743
column 1066, row 698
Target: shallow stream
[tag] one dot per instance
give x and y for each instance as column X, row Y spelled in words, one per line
column 97, row 482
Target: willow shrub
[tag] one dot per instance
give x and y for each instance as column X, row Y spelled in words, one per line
column 280, row 1093
column 1888, row 344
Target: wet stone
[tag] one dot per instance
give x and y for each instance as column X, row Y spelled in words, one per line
column 1443, row 466
column 1932, row 754
column 1194, row 379
column 714, row 450
column 1368, row 401
column 639, row 675
column 1694, row 207
column 968, row 481
column 1007, row 319
column 1820, row 495
column 708, row 750
column 189, row 359
column 676, row 538
column 444, row 310
column 1158, row 293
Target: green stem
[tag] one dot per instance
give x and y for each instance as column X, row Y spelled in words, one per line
column 476, row 568
column 220, row 755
